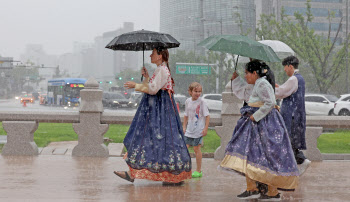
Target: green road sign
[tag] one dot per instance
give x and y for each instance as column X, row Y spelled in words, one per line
column 200, row 69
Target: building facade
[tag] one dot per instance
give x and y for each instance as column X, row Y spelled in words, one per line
column 320, row 10
column 191, row 21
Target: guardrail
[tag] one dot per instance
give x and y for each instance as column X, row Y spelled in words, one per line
column 91, row 123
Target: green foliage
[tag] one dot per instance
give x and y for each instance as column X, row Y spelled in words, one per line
column 323, row 61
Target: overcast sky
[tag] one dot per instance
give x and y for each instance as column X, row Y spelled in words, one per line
column 56, row 24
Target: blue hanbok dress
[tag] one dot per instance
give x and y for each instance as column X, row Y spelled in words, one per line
column 155, row 141
column 261, row 150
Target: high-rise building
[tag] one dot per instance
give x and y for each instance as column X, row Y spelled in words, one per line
column 191, row 21
column 320, row 10
column 111, row 62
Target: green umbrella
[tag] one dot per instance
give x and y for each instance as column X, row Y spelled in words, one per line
column 240, row 45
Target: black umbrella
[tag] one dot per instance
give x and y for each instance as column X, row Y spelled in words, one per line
column 142, row 40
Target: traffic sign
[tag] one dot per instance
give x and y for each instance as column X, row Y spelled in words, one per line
column 194, row 68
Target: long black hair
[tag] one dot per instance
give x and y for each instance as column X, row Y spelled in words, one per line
column 262, row 69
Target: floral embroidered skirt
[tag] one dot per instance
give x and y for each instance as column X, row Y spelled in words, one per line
column 262, row 150
column 155, row 141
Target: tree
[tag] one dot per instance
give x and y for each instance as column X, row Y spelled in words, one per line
column 58, row 73
column 324, row 61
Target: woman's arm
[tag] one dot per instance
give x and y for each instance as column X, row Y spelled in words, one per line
column 241, row 88
column 159, row 79
column 266, row 94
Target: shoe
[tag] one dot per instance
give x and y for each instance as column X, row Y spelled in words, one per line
column 302, row 167
column 197, row 174
column 264, row 197
column 125, row 176
column 173, row 184
column 249, row 195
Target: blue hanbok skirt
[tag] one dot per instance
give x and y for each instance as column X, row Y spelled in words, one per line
column 262, row 150
column 155, row 141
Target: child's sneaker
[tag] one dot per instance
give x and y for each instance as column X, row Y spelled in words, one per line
column 197, row 174
column 264, row 197
column 249, row 195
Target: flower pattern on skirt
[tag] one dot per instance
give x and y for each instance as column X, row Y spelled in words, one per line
column 155, row 141
column 264, row 144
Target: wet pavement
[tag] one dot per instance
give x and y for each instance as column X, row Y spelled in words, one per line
column 66, row 178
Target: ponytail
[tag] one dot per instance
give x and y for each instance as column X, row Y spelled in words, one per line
column 165, row 56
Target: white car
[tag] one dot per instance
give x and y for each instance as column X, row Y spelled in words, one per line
column 320, row 104
column 214, row 101
column 342, row 106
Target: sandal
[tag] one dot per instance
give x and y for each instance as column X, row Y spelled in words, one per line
column 126, row 177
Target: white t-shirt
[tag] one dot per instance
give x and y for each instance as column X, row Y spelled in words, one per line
column 196, row 111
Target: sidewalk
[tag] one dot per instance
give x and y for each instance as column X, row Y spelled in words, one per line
column 65, row 178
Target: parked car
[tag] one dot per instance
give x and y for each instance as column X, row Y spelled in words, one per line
column 181, row 100
column 214, row 101
column 342, row 106
column 27, row 98
column 135, row 97
column 116, row 100
column 320, row 104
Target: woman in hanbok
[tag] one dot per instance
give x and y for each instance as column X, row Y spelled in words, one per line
column 260, row 148
column 155, row 144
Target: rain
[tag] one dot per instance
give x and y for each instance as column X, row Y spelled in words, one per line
column 95, row 100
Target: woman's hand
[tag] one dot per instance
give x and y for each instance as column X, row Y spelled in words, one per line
column 252, row 118
column 234, row 75
column 276, row 85
column 144, row 72
column 129, row 84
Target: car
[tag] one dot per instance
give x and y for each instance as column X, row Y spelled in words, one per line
column 320, row 104
column 342, row 106
column 135, row 97
column 181, row 100
column 214, row 101
column 116, row 100
column 27, row 98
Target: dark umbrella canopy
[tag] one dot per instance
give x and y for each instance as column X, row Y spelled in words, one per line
column 142, row 40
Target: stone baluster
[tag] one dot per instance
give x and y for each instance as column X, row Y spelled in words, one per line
column 311, row 136
column 229, row 115
column 90, row 130
column 20, row 136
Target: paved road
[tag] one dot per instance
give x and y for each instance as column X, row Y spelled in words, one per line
column 15, row 105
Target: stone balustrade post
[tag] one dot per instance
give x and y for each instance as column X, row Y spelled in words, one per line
column 230, row 113
column 20, row 136
column 311, row 136
column 90, row 130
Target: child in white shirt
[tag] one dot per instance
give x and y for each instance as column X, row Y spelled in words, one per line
column 196, row 122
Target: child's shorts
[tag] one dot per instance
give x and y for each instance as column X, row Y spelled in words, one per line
column 193, row 141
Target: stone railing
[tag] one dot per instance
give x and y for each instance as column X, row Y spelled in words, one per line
column 91, row 123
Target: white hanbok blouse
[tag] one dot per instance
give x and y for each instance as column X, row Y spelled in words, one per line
column 161, row 79
column 262, row 92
